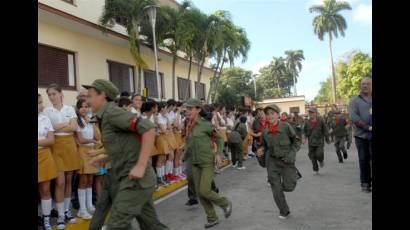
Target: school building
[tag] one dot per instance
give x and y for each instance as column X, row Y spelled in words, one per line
column 286, row 104
column 72, row 50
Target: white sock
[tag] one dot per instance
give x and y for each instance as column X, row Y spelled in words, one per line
column 81, row 199
column 46, row 207
column 180, row 170
column 67, row 203
column 163, row 171
column 158, row 172
column 89, row 197
column 168, row 167
column 250, row 150
column 60, row 208
column 175, row 171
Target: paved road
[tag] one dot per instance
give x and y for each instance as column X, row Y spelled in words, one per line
column 332, row 200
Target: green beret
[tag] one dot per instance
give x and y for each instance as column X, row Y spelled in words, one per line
column 273, row 107
column 192, row 103
column 103, row 85
column 312, row 110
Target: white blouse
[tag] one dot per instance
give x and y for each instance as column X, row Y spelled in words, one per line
column 60, row 116
column 161, row 120
column 87, row 132
column 44, row 126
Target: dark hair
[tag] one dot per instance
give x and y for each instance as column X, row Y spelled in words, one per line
column 125, row 94
column 144, row 99
column 206, row 112
column 161, row 105
column 55, row 87
column 147, row 106
column 77, row 111
column 124, row 101
column 242, row 119
column 179, row 104
column 171, row 102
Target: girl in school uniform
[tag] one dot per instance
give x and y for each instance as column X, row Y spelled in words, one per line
column 161, row 144
column 170, row 116
column 47, row 169
column 177, row 128
column 87, row 139
column 64, row 121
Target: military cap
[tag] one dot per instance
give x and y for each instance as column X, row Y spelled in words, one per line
column 103, row 85
column 312, row 110
column 192, row 102
column 274, row 107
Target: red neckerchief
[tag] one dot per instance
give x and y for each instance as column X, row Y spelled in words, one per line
column 313, row 123
column 262, row 124
column 191, row 125
column 283, row 118
column 337, row 120
column 273, row 128
column 133, row 127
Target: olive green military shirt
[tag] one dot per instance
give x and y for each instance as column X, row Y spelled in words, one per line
column 283, row 144
column 339, row 130
column 238, row 134
column 316, row 135
column 121, row 143
column 198, row 145
column 297, row 124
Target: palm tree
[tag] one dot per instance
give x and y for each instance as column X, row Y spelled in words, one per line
column 294, row 65
column 131, row 14
column 178, row 32
column 330, row 21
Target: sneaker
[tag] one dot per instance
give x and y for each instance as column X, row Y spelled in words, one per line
column 46, row 223
column 70, row 218
column 191, row 202
column 91, row 210
column 228, row 210
column 165, row 181
column 211, row 223
column 83, row 214
column 234, row 165
column 366, row 189
column 61, row 222
column 241, row 167
column 284, row 216
column 341, row 161
column 322, row 164
column 316, row 173
column 171, row 178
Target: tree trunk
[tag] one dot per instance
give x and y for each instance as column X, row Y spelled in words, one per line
column 189, row 78
column 219, row 75
column 212, row 85
column 294, row 85
column 333, row 70
column 174, row 62
column 200, row 67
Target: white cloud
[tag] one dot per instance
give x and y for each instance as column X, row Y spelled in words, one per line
column 363, row 14
column 255, row 68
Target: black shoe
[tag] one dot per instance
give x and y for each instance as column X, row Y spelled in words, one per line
column 366, row 188
column 216, row 190
column 284, row 216
column 211, row 223
column 228, row 210
column 54, row 213
column 191, row 202
column 340, row 160
column 345, row 156
column 298, row 175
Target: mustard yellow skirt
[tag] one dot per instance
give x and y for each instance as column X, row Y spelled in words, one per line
column 161, row 144
column 222, row 133
column 65, row 154
column 154, row 151
column 246, row 143
column 86, row 168
column 47, row 168
column 178, row 139
column 171, row 140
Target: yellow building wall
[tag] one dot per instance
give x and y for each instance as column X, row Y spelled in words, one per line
column 91, row 55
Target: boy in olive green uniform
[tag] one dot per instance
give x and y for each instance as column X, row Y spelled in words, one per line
column 297, row 123
column 316, row 132
column 279, row 147
column 128, row 141
column 235, row 141
column 200, row 134
column 339, row 130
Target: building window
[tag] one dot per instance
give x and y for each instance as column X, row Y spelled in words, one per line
column 294, row 109
column 150, row 82
column 56, row 66
column 182, row 88
column 122, row 76
column 201, row 90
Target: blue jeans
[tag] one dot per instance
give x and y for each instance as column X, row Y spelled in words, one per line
column 364, row 148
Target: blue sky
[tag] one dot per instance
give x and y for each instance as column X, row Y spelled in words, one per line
column 274, row 26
